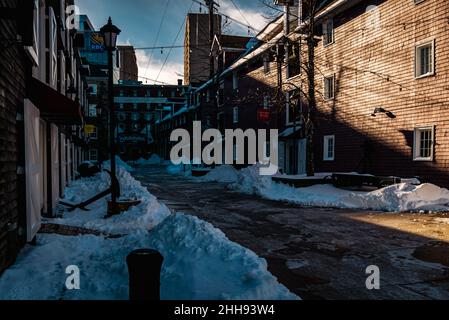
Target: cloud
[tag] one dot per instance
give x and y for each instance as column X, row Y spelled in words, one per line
column 170, row 74
column 253, row 16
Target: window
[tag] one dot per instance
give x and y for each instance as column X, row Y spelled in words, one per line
column 235, row 81
column 424, row 59
column 266, row 102
column 235, row 115
column 293, row 68
column 328, row 32
column 329, row 148
column 293, row 107
column 135, row 116
column 94, row 134
column 92, row 110
column 33, row 50
column 266, row 64
column 93, row 155
column 329, row 87
column 424, row 144
column 93, row 88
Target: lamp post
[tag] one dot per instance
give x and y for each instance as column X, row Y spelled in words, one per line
column 110, row 33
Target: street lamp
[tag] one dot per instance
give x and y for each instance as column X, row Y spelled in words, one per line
column 110, row 34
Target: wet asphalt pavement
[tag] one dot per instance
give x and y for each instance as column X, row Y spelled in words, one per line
column 321, row 253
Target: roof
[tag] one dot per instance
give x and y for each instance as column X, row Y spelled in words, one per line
column 234, row 42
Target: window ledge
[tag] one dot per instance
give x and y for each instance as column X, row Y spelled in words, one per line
column 423, row 159
column 427, row 75
column 293, row 78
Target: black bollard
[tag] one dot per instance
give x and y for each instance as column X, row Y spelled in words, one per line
column 144, row 268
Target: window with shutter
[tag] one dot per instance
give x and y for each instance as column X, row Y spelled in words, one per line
column 52, row 71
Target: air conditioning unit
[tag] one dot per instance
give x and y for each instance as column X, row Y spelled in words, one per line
column 284, row 2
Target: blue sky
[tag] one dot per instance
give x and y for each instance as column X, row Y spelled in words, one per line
column 139, row 21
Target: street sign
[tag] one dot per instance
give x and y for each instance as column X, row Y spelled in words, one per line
column 263, row 115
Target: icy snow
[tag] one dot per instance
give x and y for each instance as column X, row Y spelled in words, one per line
column 224, row 174
column 146, row 215
column 200, row 262
column 397, row 198
column 119, row 163
column 154, row 160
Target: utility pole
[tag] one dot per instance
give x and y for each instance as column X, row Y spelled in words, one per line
column 211, row 5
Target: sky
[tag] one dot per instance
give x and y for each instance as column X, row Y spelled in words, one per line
column 140, row 21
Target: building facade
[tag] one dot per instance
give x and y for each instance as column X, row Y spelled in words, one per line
column 380, row 86
column 128, row 63
column 138, row 108
column 42, row 96
column 197, row 44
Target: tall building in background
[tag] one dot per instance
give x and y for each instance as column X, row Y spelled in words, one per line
column 197, row 47
column 128, row 63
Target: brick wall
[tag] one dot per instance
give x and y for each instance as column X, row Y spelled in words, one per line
column 374, row 67
column 12, row 80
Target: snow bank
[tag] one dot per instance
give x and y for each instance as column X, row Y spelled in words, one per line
column 397, row 198
column 146, row 215
column 119, row 163
column 200, row 263
column 154, row 160
column 224, row 174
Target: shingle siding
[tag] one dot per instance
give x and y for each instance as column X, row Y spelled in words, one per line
column 12, row 80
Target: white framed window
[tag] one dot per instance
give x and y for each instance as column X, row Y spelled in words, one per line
column 92, row 110
column 294, row 60
column 329, row 87
column 94, row 134
column 93, row 155
column 52, row 54
column 235, row 115
column 425, row 59
column 93, row 88
column 33, row 50
column 328, row 32
column 266, row 102
column 424, row 144
column 329, row 148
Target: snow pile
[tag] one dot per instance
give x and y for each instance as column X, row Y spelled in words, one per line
column 154, row 160
column 224, row 174
column 397, row 198
column 402, row 197
column 119, row 163
column 146, row 215
column 199, row 263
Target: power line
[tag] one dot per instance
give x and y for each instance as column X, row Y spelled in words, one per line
column 240, row 11
column 248, row 26
column 157, row 36
column 176, row 39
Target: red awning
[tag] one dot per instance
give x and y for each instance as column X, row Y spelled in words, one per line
column 54, row 106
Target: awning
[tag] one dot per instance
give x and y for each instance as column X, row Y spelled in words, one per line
column 291, row 133
column 54, row 106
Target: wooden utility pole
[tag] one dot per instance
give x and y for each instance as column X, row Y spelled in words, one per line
column 211, row 5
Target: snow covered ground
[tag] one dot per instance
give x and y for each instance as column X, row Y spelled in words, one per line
column 200, row 262
column 402, row 197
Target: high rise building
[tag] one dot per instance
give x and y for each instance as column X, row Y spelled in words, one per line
column 128, row 63
column 197, row 47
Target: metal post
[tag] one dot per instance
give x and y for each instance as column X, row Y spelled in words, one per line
column 112, row 123
column 144, row 268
